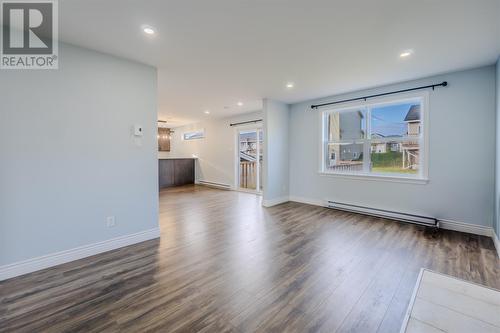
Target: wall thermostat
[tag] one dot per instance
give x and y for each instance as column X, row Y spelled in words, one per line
column 137, row 130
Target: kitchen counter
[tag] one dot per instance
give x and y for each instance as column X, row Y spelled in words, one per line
column 177, row 158
column 175, row 171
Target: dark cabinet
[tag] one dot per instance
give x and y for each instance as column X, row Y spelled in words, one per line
column 175, row 172
column 166, row 173
column 183, row 172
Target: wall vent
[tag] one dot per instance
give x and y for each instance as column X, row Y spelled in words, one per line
column 398, row 216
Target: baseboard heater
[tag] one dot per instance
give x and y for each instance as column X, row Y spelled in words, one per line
column 398, row 216
column 214, row 184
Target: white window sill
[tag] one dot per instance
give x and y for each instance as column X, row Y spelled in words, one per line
column 376, row 177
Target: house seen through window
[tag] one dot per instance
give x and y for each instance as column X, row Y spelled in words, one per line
column 375, row 139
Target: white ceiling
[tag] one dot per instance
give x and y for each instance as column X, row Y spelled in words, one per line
column 210, row 54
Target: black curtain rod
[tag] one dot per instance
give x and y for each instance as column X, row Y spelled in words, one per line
column 442, row 84
column 246, row 122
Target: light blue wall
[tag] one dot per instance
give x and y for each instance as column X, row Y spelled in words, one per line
column 68, row 155
column 461, row 156
column 276, row 155
column 497, row 170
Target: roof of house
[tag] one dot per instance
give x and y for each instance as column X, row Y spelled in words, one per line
column 413, row 113
column 380, row 136
column 247, row 157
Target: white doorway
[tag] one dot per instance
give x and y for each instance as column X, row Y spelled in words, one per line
column 250, row 142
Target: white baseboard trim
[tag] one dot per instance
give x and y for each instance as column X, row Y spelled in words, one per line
column 466, row 227
column 62, row 257
column 308, row 201
column 274, row 202
column 496, row 241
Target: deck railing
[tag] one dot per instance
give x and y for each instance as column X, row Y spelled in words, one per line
column 347, row 167
column 248, row 175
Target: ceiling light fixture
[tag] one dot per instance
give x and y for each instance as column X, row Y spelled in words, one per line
column 406, row 53
column 207, row 111
column 290, row 85
column 148, row 30
column 240, row 103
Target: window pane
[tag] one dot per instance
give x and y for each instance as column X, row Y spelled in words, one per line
column 347, row 125
column 261, row 157
column 396, row 121
column 194, row 135
column 344, row 157
column 394, row 157
column 248, row 159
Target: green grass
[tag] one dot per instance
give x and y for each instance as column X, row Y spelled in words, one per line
column 390, row 162
column 392, row 159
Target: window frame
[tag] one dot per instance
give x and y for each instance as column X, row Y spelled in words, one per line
column 423, row 175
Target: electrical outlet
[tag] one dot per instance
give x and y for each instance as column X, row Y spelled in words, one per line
column 110, row 221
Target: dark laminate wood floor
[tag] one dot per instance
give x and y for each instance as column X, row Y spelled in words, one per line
column 225, row 264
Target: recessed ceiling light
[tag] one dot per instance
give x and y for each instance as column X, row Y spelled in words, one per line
column 406, row 53
column 148, row 30
column 207, row 111
column 290, row 85
column 240, row 103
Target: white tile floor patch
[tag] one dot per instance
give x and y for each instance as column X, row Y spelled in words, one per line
column 442, row 303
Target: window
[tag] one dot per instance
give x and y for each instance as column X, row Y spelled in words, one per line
column 194, row 135
column 384, row 139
